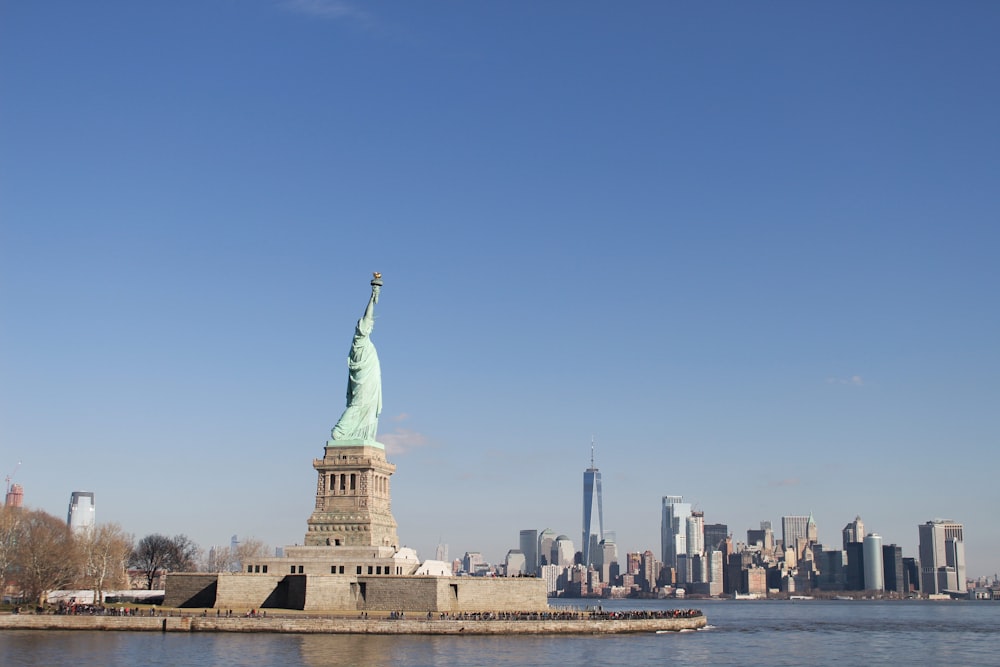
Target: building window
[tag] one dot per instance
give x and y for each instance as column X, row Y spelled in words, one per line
column 359, row 569
column 263, row 569
column 370, row 569
column 301, row 568
column 256, row 569
column 378, row 569
column 354, row 479
column 293, row 570
column 341, row 569
column 249, row 569
column 333, row 569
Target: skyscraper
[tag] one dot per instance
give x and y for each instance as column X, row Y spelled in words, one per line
column 673, row 529
column 854, row 532
column 563, row 551
column 546, row 539
column 793, row 528
column 593, row 512
column 873, row 569
column 942, row 557
column 892, row 566
column 695, row 534
column 81, row 513
column 529, row 547
column 15, row 496
column 715, row 534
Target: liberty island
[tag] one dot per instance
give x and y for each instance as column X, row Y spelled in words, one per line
column 350, row 574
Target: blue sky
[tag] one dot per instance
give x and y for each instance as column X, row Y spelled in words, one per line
column 749, row 248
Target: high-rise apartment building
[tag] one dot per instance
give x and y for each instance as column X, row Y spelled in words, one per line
column 15, row 496
column 593, row 512
column 529, row 547
column 673, row 529
column 81, row 515
column 695, row 534
column 942, row 557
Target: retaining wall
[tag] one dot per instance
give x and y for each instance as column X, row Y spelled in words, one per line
column 308, row 625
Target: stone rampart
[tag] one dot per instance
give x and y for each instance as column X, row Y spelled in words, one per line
column 255, row 591
column 189, row 589
column 317, row 593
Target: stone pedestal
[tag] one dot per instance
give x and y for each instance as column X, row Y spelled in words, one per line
column 353, row 506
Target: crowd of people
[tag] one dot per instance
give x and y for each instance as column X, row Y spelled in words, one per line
column 562, row 615
column 75, row 609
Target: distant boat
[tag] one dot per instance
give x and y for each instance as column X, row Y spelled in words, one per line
column 800, row 597
column 747, row 596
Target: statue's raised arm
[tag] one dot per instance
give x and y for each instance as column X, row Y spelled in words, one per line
column 364, row 379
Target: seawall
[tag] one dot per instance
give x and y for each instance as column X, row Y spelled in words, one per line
column 375, row 626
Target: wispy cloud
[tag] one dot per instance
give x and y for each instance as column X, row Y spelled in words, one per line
column 402, row 440
column 790, row 481
column 326, row 9
column 854, row 380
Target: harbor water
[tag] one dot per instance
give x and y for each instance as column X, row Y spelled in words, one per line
column 773, row 633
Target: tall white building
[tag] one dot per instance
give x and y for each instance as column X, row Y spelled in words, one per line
column 514, row 563
column 673, row 529
column 82, row 511
column 694, row 534
column 854, row 532
column 546, row 540
column 942, row 557
column 873, row 563
column 563, row 552
column 715, row 563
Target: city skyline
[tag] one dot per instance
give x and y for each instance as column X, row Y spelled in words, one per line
column 749, row 248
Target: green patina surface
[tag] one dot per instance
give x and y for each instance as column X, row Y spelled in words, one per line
column 364, row 381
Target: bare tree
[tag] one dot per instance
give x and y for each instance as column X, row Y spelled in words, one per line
column 219, row 559
column 186, row 554
column 46, row 557
column 228, row 559
column 158, row 553
column 250, row 549
column 10, row 531
column 106, row 551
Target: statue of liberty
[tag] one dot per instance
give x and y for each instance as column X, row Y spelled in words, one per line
column 364, row 379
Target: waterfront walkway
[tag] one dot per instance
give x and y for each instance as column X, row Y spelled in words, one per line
column 484, row 623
